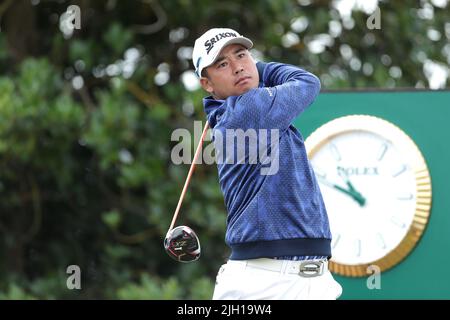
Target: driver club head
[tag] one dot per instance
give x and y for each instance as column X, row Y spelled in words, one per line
column 182, row 244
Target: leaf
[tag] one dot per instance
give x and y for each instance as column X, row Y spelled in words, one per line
column 118, row 38
column 112, row 218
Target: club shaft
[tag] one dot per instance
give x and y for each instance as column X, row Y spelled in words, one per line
column 188, row 179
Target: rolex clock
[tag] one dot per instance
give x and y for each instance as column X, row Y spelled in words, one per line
column 376, row 188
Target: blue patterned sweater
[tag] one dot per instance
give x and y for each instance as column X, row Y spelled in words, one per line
column 279, row 211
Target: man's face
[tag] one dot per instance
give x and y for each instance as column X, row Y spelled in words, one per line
column 233, row 73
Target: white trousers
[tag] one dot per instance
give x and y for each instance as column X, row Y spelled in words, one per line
column 245, row 280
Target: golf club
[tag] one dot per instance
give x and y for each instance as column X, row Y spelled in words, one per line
column 181, row 243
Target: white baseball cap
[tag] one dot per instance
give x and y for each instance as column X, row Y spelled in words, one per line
column 209, row 45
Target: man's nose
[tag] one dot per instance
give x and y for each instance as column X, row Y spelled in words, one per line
column 239, row 70
column 237, row 67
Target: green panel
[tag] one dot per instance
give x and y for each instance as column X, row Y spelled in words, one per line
column 425, row 117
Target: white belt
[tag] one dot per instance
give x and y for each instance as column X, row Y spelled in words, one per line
column 303, row 268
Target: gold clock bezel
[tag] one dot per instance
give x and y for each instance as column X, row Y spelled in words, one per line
column 406, row 146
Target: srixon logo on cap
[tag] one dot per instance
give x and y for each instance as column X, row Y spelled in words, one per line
column 209, row 44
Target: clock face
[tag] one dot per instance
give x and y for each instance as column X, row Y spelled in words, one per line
column 376, row 189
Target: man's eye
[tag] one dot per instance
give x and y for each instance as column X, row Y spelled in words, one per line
column 241, row 55
column 223, row 64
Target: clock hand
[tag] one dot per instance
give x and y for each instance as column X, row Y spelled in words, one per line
column 355, row 195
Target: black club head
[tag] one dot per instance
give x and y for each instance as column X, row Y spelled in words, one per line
column 182, row 244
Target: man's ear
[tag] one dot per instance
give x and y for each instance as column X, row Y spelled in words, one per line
column 206, row 84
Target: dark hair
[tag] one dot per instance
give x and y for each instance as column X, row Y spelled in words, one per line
column 205, row 73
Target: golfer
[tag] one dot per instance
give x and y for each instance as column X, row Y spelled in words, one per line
column 277, row 224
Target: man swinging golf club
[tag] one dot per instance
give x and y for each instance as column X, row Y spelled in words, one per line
column 277, row 224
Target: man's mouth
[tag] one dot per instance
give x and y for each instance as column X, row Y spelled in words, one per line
column 241, row 80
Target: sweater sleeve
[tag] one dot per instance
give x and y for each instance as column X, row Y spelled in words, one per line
column 287, row 91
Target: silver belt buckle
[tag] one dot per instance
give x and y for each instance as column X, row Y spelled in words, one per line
column 309, row 269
